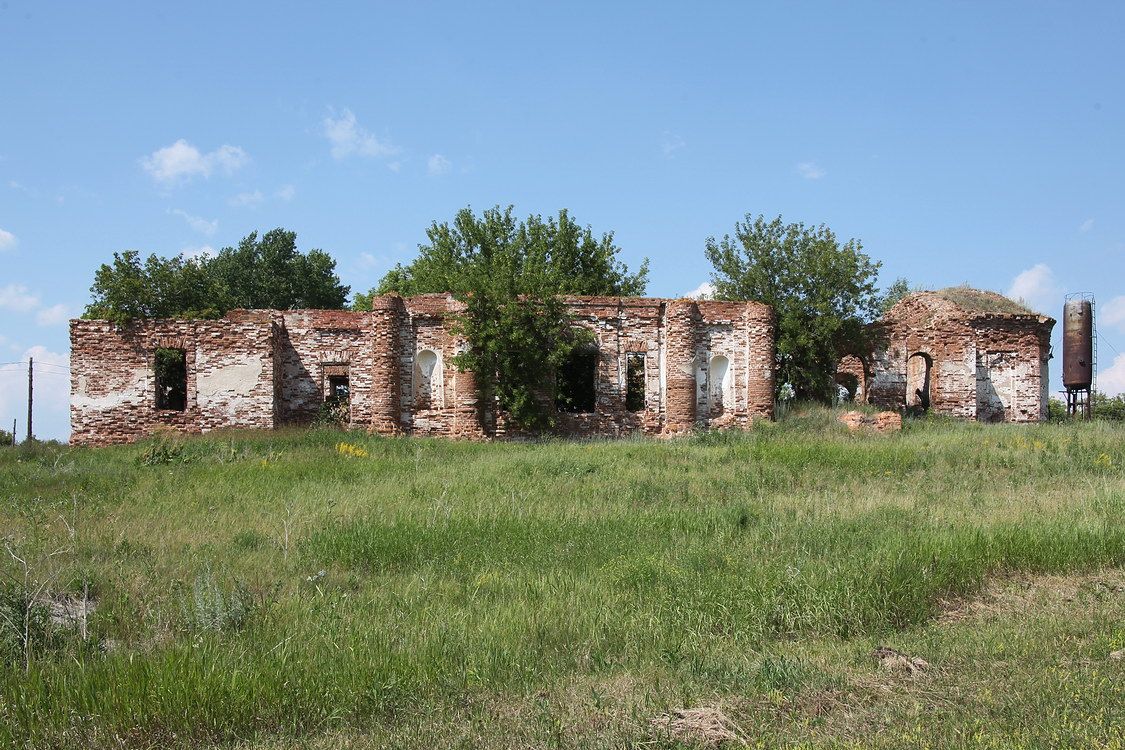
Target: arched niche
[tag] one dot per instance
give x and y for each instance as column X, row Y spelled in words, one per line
column 428, row 381
column 719, row 392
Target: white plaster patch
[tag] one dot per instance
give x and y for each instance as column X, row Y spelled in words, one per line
column 133, row 391
column 239, row 378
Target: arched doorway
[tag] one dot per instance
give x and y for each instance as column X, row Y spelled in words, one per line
column 853, row 373
column 918, row 367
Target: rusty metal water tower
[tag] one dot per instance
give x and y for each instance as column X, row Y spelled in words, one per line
column 1080, row 353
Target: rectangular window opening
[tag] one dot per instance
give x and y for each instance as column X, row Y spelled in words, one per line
column 170, row 369
column 635, row 381
column 338, row 389
column 576, row 382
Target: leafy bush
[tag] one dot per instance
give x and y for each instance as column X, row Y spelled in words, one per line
column 333, row 415
column 1109, row 407
column 162, row 451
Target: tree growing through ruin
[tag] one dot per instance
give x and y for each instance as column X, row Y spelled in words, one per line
column 510, row 274
column 895, row 293
column 266, row 272
column 823, row 293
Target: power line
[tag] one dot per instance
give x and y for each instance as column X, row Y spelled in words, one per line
column 1106, row 342
column 41, row 364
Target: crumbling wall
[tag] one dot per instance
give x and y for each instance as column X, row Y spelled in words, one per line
column 980, row 365
column 704, row 363
column 315, row 344
column 1011, row 369
column 230, row 377
column 852, row 373
column 435, row 398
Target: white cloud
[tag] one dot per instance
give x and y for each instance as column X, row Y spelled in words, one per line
column 371, row 261
column 7, row 240
column 183, row 161
column 246, row 199
column 706, row 290
column 810, row 170
column 286, row 192
column 17, row 298
column 53, row 316
column 1036, row 287
column 30, row 192
column 1111, row 380
column 199, row 224
column 349, row 138
column 438, row 165
column 1086, row 226
column 670, row 143
column 193, row 252
column 1112, row 313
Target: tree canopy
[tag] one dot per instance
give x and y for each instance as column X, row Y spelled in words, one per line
column 532, row 256
column 510, row 274
column 263, row 273
column 895, row 294
column 823, row 292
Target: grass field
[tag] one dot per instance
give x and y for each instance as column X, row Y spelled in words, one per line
column 322, row 590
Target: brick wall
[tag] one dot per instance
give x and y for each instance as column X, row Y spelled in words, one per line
column 988, row 366
column 705, row 363
column 230, row 377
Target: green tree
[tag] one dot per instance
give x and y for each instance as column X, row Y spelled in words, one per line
column 266, row 273
column 823, row 293
column 894, row 294
column 1110, row 408
column 510, row 275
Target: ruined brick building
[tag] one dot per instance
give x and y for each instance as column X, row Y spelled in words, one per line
column 958, row 351
column 659, row 367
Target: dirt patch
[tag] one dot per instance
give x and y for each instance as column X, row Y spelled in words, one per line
column 893, row 660
column 706, row 726
column 1007, row 594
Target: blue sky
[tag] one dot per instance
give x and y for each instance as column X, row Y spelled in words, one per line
column 961, row 142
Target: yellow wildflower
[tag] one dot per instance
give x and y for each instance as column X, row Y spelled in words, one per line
column 348, row 449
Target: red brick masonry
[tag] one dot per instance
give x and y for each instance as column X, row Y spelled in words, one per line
column 706, row 363
column 962, row 352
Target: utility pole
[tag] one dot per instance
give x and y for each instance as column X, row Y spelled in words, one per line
column 13, row 432
column 30, row 392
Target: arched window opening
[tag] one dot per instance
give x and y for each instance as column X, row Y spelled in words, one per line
column 427, row 380
column 576, row 382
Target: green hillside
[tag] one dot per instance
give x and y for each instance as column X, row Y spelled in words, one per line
column 321, row 589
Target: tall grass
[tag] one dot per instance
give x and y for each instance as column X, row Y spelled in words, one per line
column 273, row 584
